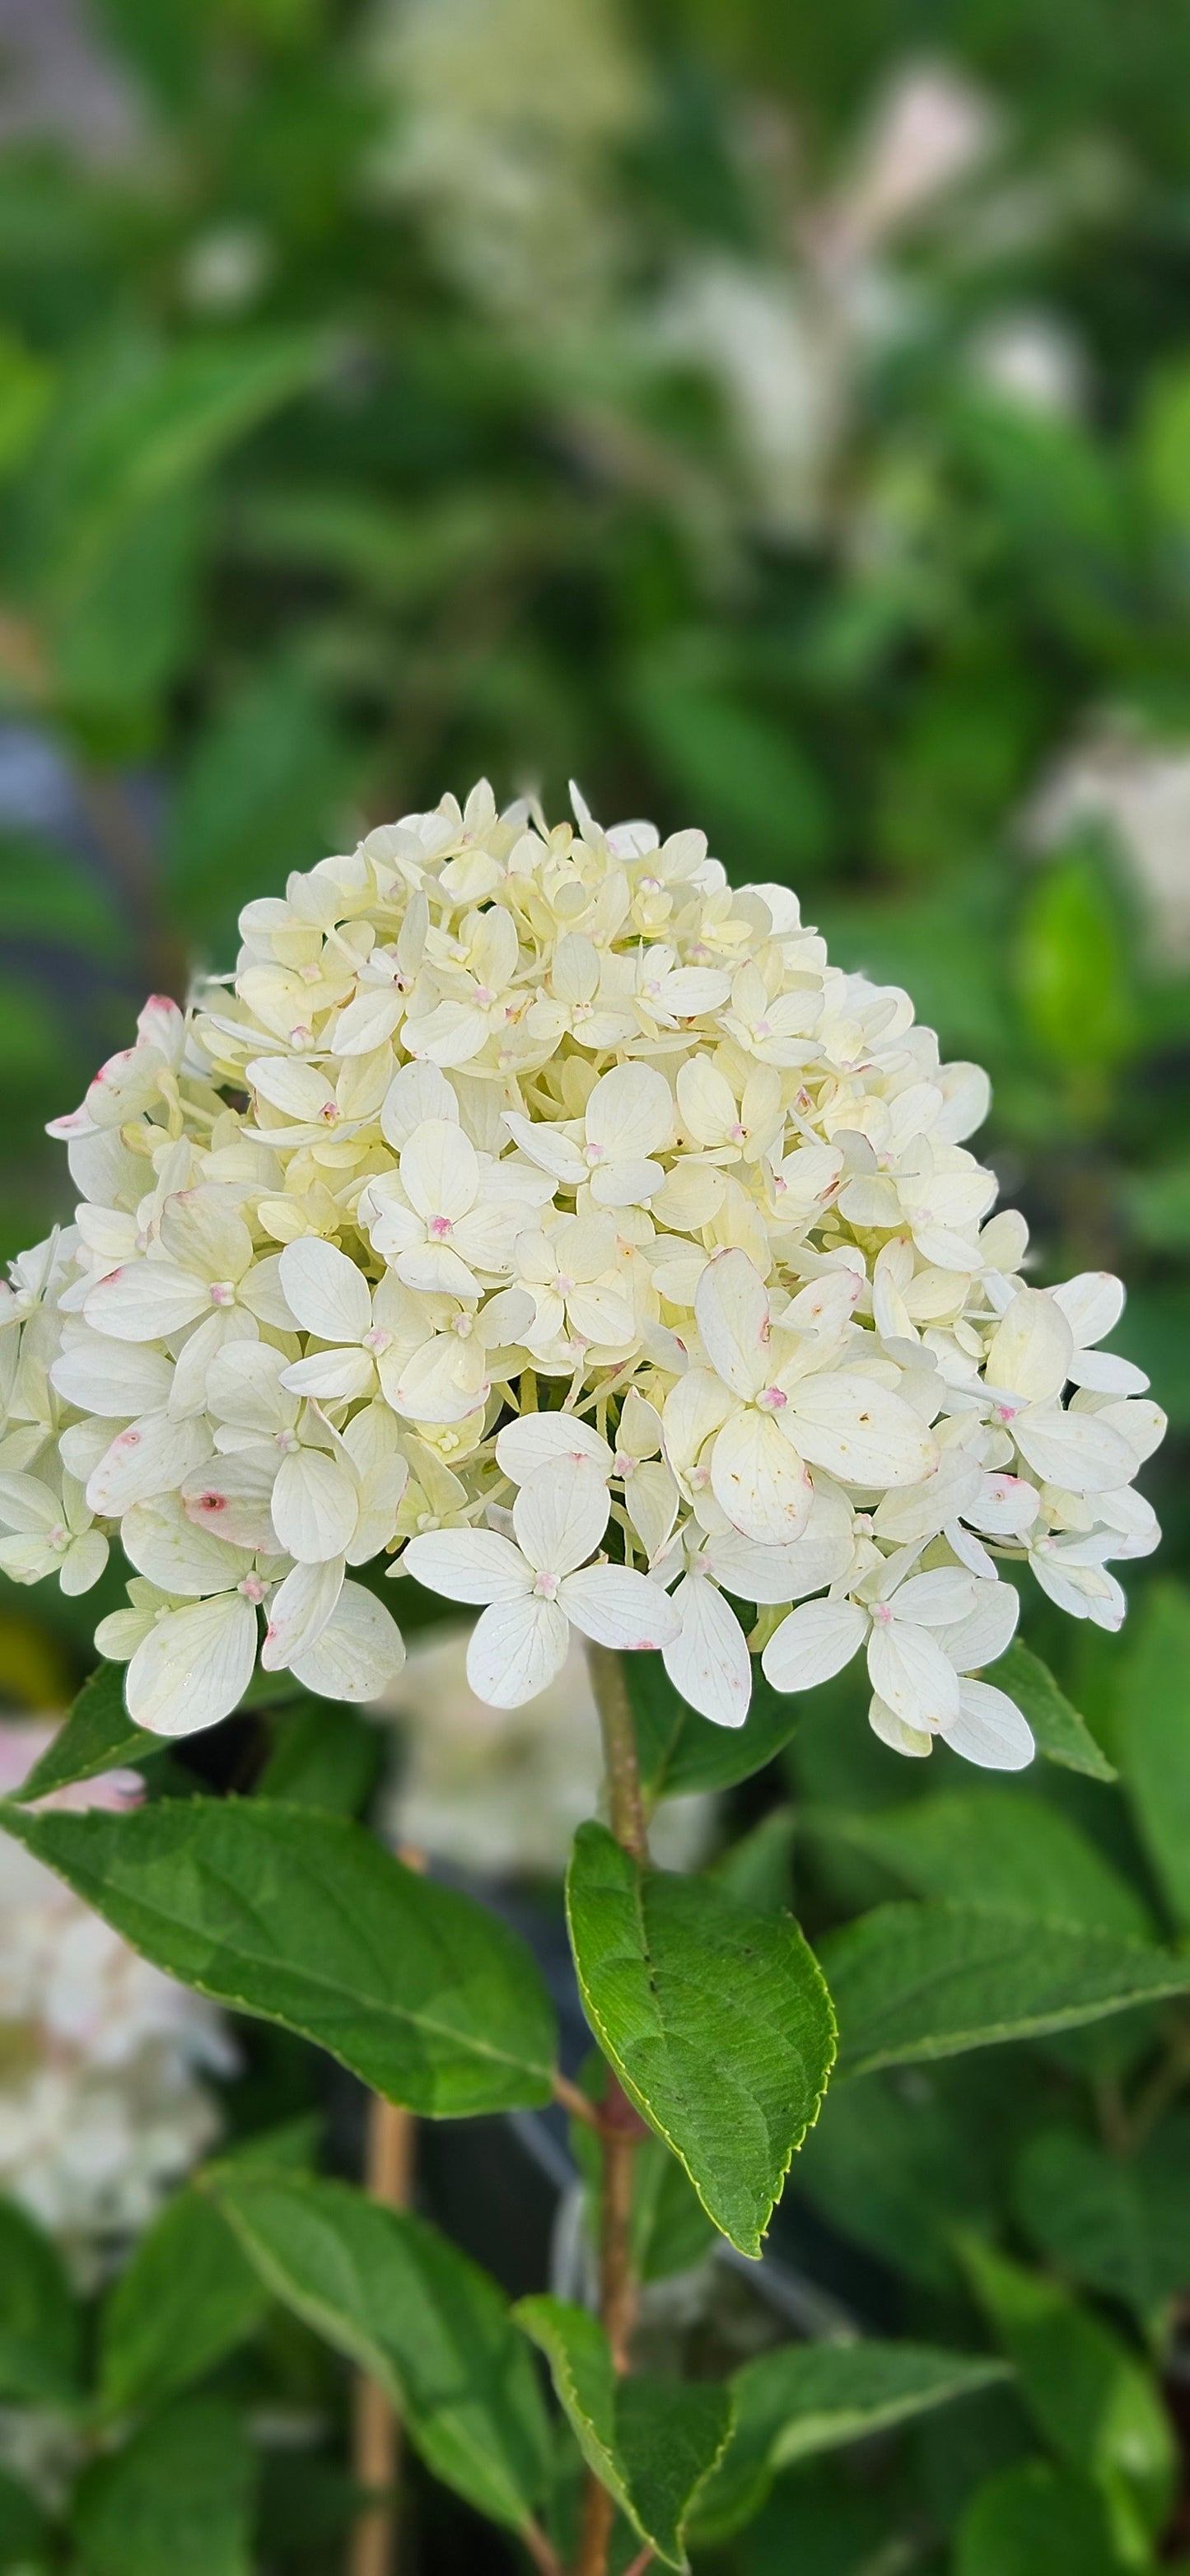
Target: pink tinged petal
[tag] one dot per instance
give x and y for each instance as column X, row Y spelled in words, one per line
column 332, row 1376
column 469, row 1565
column 910, row 1673
column 162, row 1544
column 990, row 1729
column 893, row 1731
column 193, row 1667
column 360, row 1650
column 617, row 1607
column 1079, row 1451
column 539, row 1440
column 708, row 1662
column 325, row 1291
column 516, row 1649
column 152, row 1456
column 561, row 1515
column 813, row 1644
column 758, row 1479
column 103, row 1376
column 986, row 1631
column 298, row 1612
column 731, row 1309
column 231, row 1498
column 859, row 1431
column 145, row 1301
column 315, row 1506
column 936, row 1600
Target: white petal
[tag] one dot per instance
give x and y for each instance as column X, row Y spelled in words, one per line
column 368, row 1021
column 469, row 1565
column 516, row 1649
column 1078, row 1451
column 990, row 1729
column 892, row 1730
column 216, row 1333
column 651, row 1502
column 618, row 1607
column 815, row 1642
column 193, row 1667
column 27, row 1504
column 179, row 1558
column 325, row 1291
column 104, row 1376
column 560, row 1517
column 731, row 1310
column 709, row 1662
column 417, row 1092
column 297, row 1089
column 936, row 1600
column 910, row 1673
column 986, row 1631
column 914, row 1512
column 539, row 1440
column 83, row 1563
column 331, row 1376
column 361, row 1649
column 440, row 1170
column 231, row 1497
column 152, row 1456
column 759, row 1480
column 315, row 1506
column 1092, row 1303
column 444, row 1381
column 630, row 1113
column 1107, row 1373
column 145, row 1301
column 1032, row 1347
column 1141, row 1425
column 298, row 1612
column 859, row 1431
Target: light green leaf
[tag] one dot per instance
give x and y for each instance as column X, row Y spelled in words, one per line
column 1154, row 1738
column 810, row 2397
column 26, row 391
column 178, row 2497
column 1118, row 2224
column 395, row 2296
column 1062, row 1735
column 1089, row 2395
column 715, row 2018
column 188, row 2296
column 914, row 1981
column 653, row 2442
column 998, row 1849
column 39, row 2327
column 681, row 1752
column 304, row 1918
column 98, row 1736
column 1034, row 2520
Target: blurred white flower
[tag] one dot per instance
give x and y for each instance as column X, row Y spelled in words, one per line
column 1139, row 790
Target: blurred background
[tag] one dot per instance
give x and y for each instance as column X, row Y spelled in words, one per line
column 777, row 418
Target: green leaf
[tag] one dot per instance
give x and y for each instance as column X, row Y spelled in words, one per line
column 188, row 2296
column 914, row 1981
column 897, row 2168
column 25, row 2538
column 998, row 1849
column 1088, row 2394
column 1072, row 975
column 258, row 798
column 305, row 1919
column 671, row 2231
column 758, row 1869
column 178, row 2497
column 26, row 391
column 39, row 2327
column 652, row 2442
column 1062, row 1735
column 681, row 1752
column 1118, row 2224
column 810, row 2397
column 1034, row 2520
column 98, row 1736
column 715, row 2018
column 323, row 1755
column 1154, row 1738
column 395, row 2296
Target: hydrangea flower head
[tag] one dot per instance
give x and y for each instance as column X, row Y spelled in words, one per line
column 545, row 1215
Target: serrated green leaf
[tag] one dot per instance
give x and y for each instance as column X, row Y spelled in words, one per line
column 715, row 2018
column 1062, row 1735
column 393, row 2294
column 98, row 1735
column 1154, row 1738
column 810, row 2397
column 39, row 2326
column 177, row 2497
column 1034, row 2520
column 998, row 1849
column 1118, row 2224
column 652, row 2442
column 681, row 1753
column 1089, row 2395
column 304, row 1918
column 918, row 1981
column 188, row 2296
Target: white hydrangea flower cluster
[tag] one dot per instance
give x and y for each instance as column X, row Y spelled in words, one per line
column 548, row 1213
column 103, row 2106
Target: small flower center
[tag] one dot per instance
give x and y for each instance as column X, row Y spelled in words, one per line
column 772, row 1399
column 593, row 1153
column 328, row 1113
column 440, row 1225
column 223, row 1292
column 252, row 1588
column 546, row 1587
column 377, row 1339
column 624, row 1464
column 882, row 1614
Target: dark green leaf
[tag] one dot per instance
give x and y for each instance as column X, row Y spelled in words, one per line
column 1119, row 2224
column 39, row 2327
column 1155, row 1738
column 1062, row 1735
column 98, row 1736
column 913, row 1981
column 25, row 2539
column 716, row 2020
column 653, row 2442
column 178, row 2498
column 998, row 1849
column 758, row 1869
column 323, row 1755
column 670, row 2228
column 811, row 2397
column 681, row 1752
column 1034, row 2520
column 258, row 798
column 896, row 2167
column 188, row 2296
column 304, row 1918
column 397, row 2298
